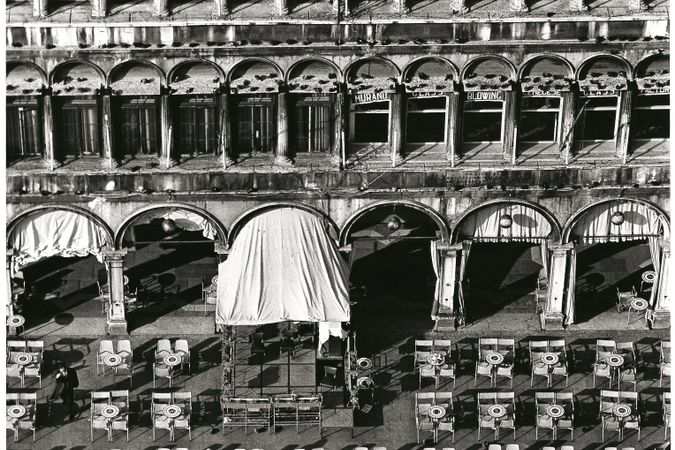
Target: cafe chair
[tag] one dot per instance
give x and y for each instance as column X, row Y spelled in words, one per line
column 210, row 293
column 506, row 347
column 608, row 399
column 423, row 349
column 258, row 344
column 444, row 399
column 485, row 420
column 96, row 419
column 427, row 371
column 664, row 361
column 566, row 447
column 508, row 422
column 127, row 365
column 483, row 368
column 184, row 400
column 29, row 401
column 161, row 370
column 329, row 379
column 494, row 447
column 558, row 346
column 105, row 347
column 182, row 348
column 566, row 422
column 34, row 369
column 103, row 296
column 163, row 349
column 666, row 414
column 160, row 400
column 120, row 399
column 449, row 368
column 632, row 422
column 538, row 368
column 610, row 423
column 627, row 372
column 14, row 370
column 542, row 400
column 623, row 298
column 423, row 401
column 603, row 348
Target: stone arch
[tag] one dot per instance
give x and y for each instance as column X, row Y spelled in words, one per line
column 221, row 232
column 255, row 76
column 493, row 64
column 136, row 77
column 298, row 66
column 76, row 77
column 314, row 74
column 382, row 68
column 550, row 218
column 240, row 221
column 72, row 208
column 604, row 63
column 436, row 217
column 24, row 78
column 550, row 63
column 195, row 76
column 574, row 219
column 433, row 64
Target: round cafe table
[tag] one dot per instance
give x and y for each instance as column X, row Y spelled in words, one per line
column 614, row 360
column 436, row 359
column 23, row 359
column 550, row 358
column 436, row 412
column 112, row 360
column 110, row 411
column 639, row 304
column 364, row 383
column 172, row 411
column 172, row 360
column 555, row 411
column 496, row 411
column 494, row 358
column 648, row 276
column 622, row 410
column 16, row 411
column 16, row 321
column 364, row 364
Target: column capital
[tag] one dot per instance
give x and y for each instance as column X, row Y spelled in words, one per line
column 221, row 249
column 111, row 254
column 557, row 248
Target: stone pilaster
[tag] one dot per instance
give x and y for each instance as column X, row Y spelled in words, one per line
column 567, row 117
column 623, row 129
column 161, row 8
column 49, row 155
column 225, row 139
column 221, row 8
column 282, row 155
column 116, row 317
column 166, row 159
column 577, row 5
column 282, row 7
column 510, row 125
column 99, row 8
column 453, row 116
column 108, row 148
column 40, row 8
column 396, row 129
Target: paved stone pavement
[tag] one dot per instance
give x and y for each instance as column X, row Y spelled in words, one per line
column 391, row 423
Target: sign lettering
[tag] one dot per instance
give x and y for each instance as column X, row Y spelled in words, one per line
column 427, row 94
column 654, row 91
column 601, row 93
column 484, row 95
column 369, row 98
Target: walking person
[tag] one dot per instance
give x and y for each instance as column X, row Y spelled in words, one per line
column 66, row 382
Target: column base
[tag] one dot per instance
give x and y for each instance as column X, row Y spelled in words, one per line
column 112, row 163
column 283, row 161
column 117, row 326
column 164, row 164
column 660, row 320
column 228, row 162
column 551, row 321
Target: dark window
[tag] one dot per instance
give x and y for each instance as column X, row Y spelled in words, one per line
column 597, row 119
column 482, row 121
column 196, row 129
column 77, row 127
column 538, row 119
column 651, row 117
column 24, row 131
column 256, row 130
column 426, row 120
column 370, row 122
column 314, row 127
column 137, row 126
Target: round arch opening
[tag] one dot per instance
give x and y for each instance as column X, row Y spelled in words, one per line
column 650, row 122
column 504, row 255
column 23, row 78
column 57, row 264
column 617, row 242
column 392, row 271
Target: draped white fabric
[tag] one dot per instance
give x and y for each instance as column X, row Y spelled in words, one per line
column 556, row 284
column 187, row 220
column 571, row 288
column 663, row 294
column 464, row 263
column 328, row 329
column 437, row 265
column 544, row 255
column 595, row 225
column 55, row 232
column 655, row 252
column 283, row 266
column 528, row 225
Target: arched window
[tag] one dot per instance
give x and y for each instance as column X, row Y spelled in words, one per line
column 24, row 114
column 650, row 120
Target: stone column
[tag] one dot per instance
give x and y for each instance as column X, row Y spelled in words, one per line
column 578, row 5
column 221, row 8
column 282, row 155
column 567, row 117
column 8, row 275
column 510, row 125
column 99, row 8
column 40, row 8
column 116, row 320
column 396, row 129
column 399, row 7
column 553, row 314
column 282, row 7
column 339, row 138
column 452, row 117
column 161, row 8
column 337, row 8
column 623, row 130
column 49, row 156
column 106, row 110
column 225, row 139
column 166, row 159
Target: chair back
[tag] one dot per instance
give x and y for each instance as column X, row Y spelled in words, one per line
column 184, row 398
column 124, row 347
column 603, row 347
column 664, row 351
column 630, row 397
column 544, row 397
column 181, row 345
column 443, row 345
column 506, row 396
column 329, row 371
column 557, row 345
column 105, row 346
column 12, row 396
column 444, row 398
column 487, row 397
column 509, row 343
column 35, row 346
column 163, row 345
column 16, row 346
column 512, row 447
column 425, row 345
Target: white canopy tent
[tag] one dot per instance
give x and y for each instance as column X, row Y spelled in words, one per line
column 283, row 266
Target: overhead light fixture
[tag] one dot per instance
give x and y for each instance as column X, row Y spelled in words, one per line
column 169, row 226
column 505, row 221
column 394, row 223
column 617, row 218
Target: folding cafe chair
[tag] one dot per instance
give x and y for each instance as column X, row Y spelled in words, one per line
column 182, row 348
column 14, row 369
column 184, row 400
column 558, row 346
column 566, row 422
column 542, row 401
column 210, row 292
column 623, row 298
column 423, row 401
column 633, row 421
column 666, row 414
column 448, row 369
column 96, row 420
column 506, row 347
column 537, row 350
column 127, row 365
column 628, row 371
column 508, row 399
column 609, row 399
column 444, row 399
column 423, row 348
column 105, row 347
column 120, row 398
column 160, row 400
column 28, row 422
column 485, row 420
column 483, row 368
column 603, row 348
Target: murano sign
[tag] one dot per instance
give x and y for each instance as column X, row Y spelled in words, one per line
column 369, row 98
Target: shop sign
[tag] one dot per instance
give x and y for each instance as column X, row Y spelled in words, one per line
column 476, row 96
column 427, row 94
column 538, row 93
column 314, row 98
column 257, row 99
column 370, row 98
column 654, row 91
column 608, row 93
